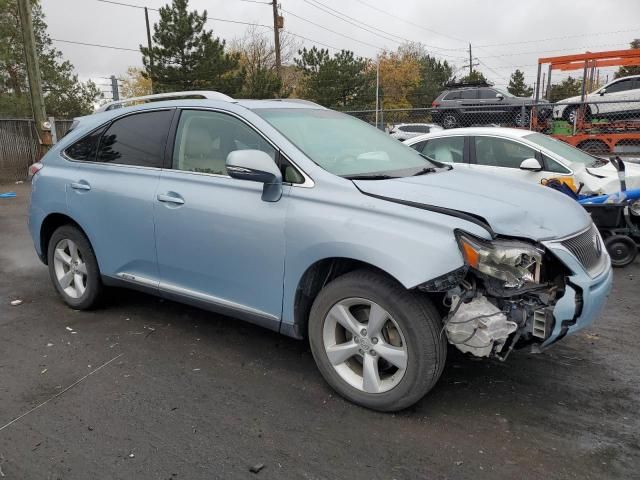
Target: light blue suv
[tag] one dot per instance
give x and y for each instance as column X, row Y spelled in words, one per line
column 315, row 224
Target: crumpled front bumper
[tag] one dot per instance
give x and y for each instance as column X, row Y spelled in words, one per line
column 584, row 297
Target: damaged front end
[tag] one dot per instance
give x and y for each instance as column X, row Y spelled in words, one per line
column 503, row 298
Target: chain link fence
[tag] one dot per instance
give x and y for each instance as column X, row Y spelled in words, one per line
column 603, row 127
column 20, row 146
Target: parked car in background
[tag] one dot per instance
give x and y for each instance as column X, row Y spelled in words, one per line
column 466, row 104
column 317, row 225
column 619, row 100
column 404, row 131
column 523, row 155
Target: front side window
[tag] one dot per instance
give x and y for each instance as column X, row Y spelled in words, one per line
column 204, row 140
column 500, row 152
column 137, row 139
column 344, row 145
column 551, row 165
column 621, row 86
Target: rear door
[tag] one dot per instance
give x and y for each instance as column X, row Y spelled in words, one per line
column 112, row 188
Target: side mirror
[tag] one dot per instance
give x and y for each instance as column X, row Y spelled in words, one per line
column 602, row 91
column 499, row 96
column 531, row 165
column 256, row 166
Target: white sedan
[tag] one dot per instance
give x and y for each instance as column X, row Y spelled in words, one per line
column 619, row 99
column 523, row 154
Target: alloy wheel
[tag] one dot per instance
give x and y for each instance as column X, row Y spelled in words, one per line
column 365, row 345
column 70, row 268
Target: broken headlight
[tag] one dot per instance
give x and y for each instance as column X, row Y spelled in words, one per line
column 513, row 262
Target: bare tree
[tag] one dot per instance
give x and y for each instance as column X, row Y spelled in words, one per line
column 258, row 59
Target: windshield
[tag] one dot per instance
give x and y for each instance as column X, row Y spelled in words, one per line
column 344, row 145
column 562, row 149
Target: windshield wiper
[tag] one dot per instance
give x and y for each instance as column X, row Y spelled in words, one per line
column 424, row 171
column 372, row 176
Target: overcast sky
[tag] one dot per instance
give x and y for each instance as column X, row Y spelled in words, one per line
column 505, row 34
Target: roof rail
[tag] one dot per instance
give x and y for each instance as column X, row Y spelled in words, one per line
column 477, row 83
column 205, row 94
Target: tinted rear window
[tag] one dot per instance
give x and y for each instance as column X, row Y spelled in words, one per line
column 85, row 149
column 137, row 139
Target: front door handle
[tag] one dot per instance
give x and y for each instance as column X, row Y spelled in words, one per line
column 168, row 198
column 81, row 185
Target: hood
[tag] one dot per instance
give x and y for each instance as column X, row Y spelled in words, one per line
column 511, row 207
column 604, row 179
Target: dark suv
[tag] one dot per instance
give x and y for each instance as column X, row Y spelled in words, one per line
column 463, row 105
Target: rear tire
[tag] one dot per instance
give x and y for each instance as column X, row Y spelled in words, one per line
column 73, row 268
column 450, row 120
column 622, row 250
column 403, row 345
column 571, row 111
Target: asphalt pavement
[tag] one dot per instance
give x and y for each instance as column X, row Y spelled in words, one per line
column 149, row 389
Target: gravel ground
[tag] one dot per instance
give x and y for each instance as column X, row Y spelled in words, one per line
column 188, row 394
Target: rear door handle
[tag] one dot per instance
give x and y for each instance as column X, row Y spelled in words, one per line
column 168, row 198
column 81, row 185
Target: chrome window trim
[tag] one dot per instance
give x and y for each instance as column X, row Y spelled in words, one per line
column 64, row 155
column 308, row 181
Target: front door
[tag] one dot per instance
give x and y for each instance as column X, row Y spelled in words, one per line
column 502, row 156
column 218, row 242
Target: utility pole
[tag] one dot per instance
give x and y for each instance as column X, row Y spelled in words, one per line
column 278, row 23
column 115, row 94
column 146, row 19
column 43, row 127
column 470, row 61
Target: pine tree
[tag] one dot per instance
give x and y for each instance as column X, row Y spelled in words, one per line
column 626, row 71
column 187, row 57
column 517, row 86
column 343, row 80
column 64, row 95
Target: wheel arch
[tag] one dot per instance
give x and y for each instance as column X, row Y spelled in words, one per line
column 314, row 278
column 49, row 225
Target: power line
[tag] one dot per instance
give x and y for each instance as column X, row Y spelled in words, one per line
column 555, row 50
column 311, row 40
column 365, row 26
column 330, row 30
column 337, row 14
column 559, row 38
column 96, row 45
column 416, row 25
column 142, row 7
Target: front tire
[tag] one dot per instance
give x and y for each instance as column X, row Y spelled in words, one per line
column 73, row 268
column 376, row 343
